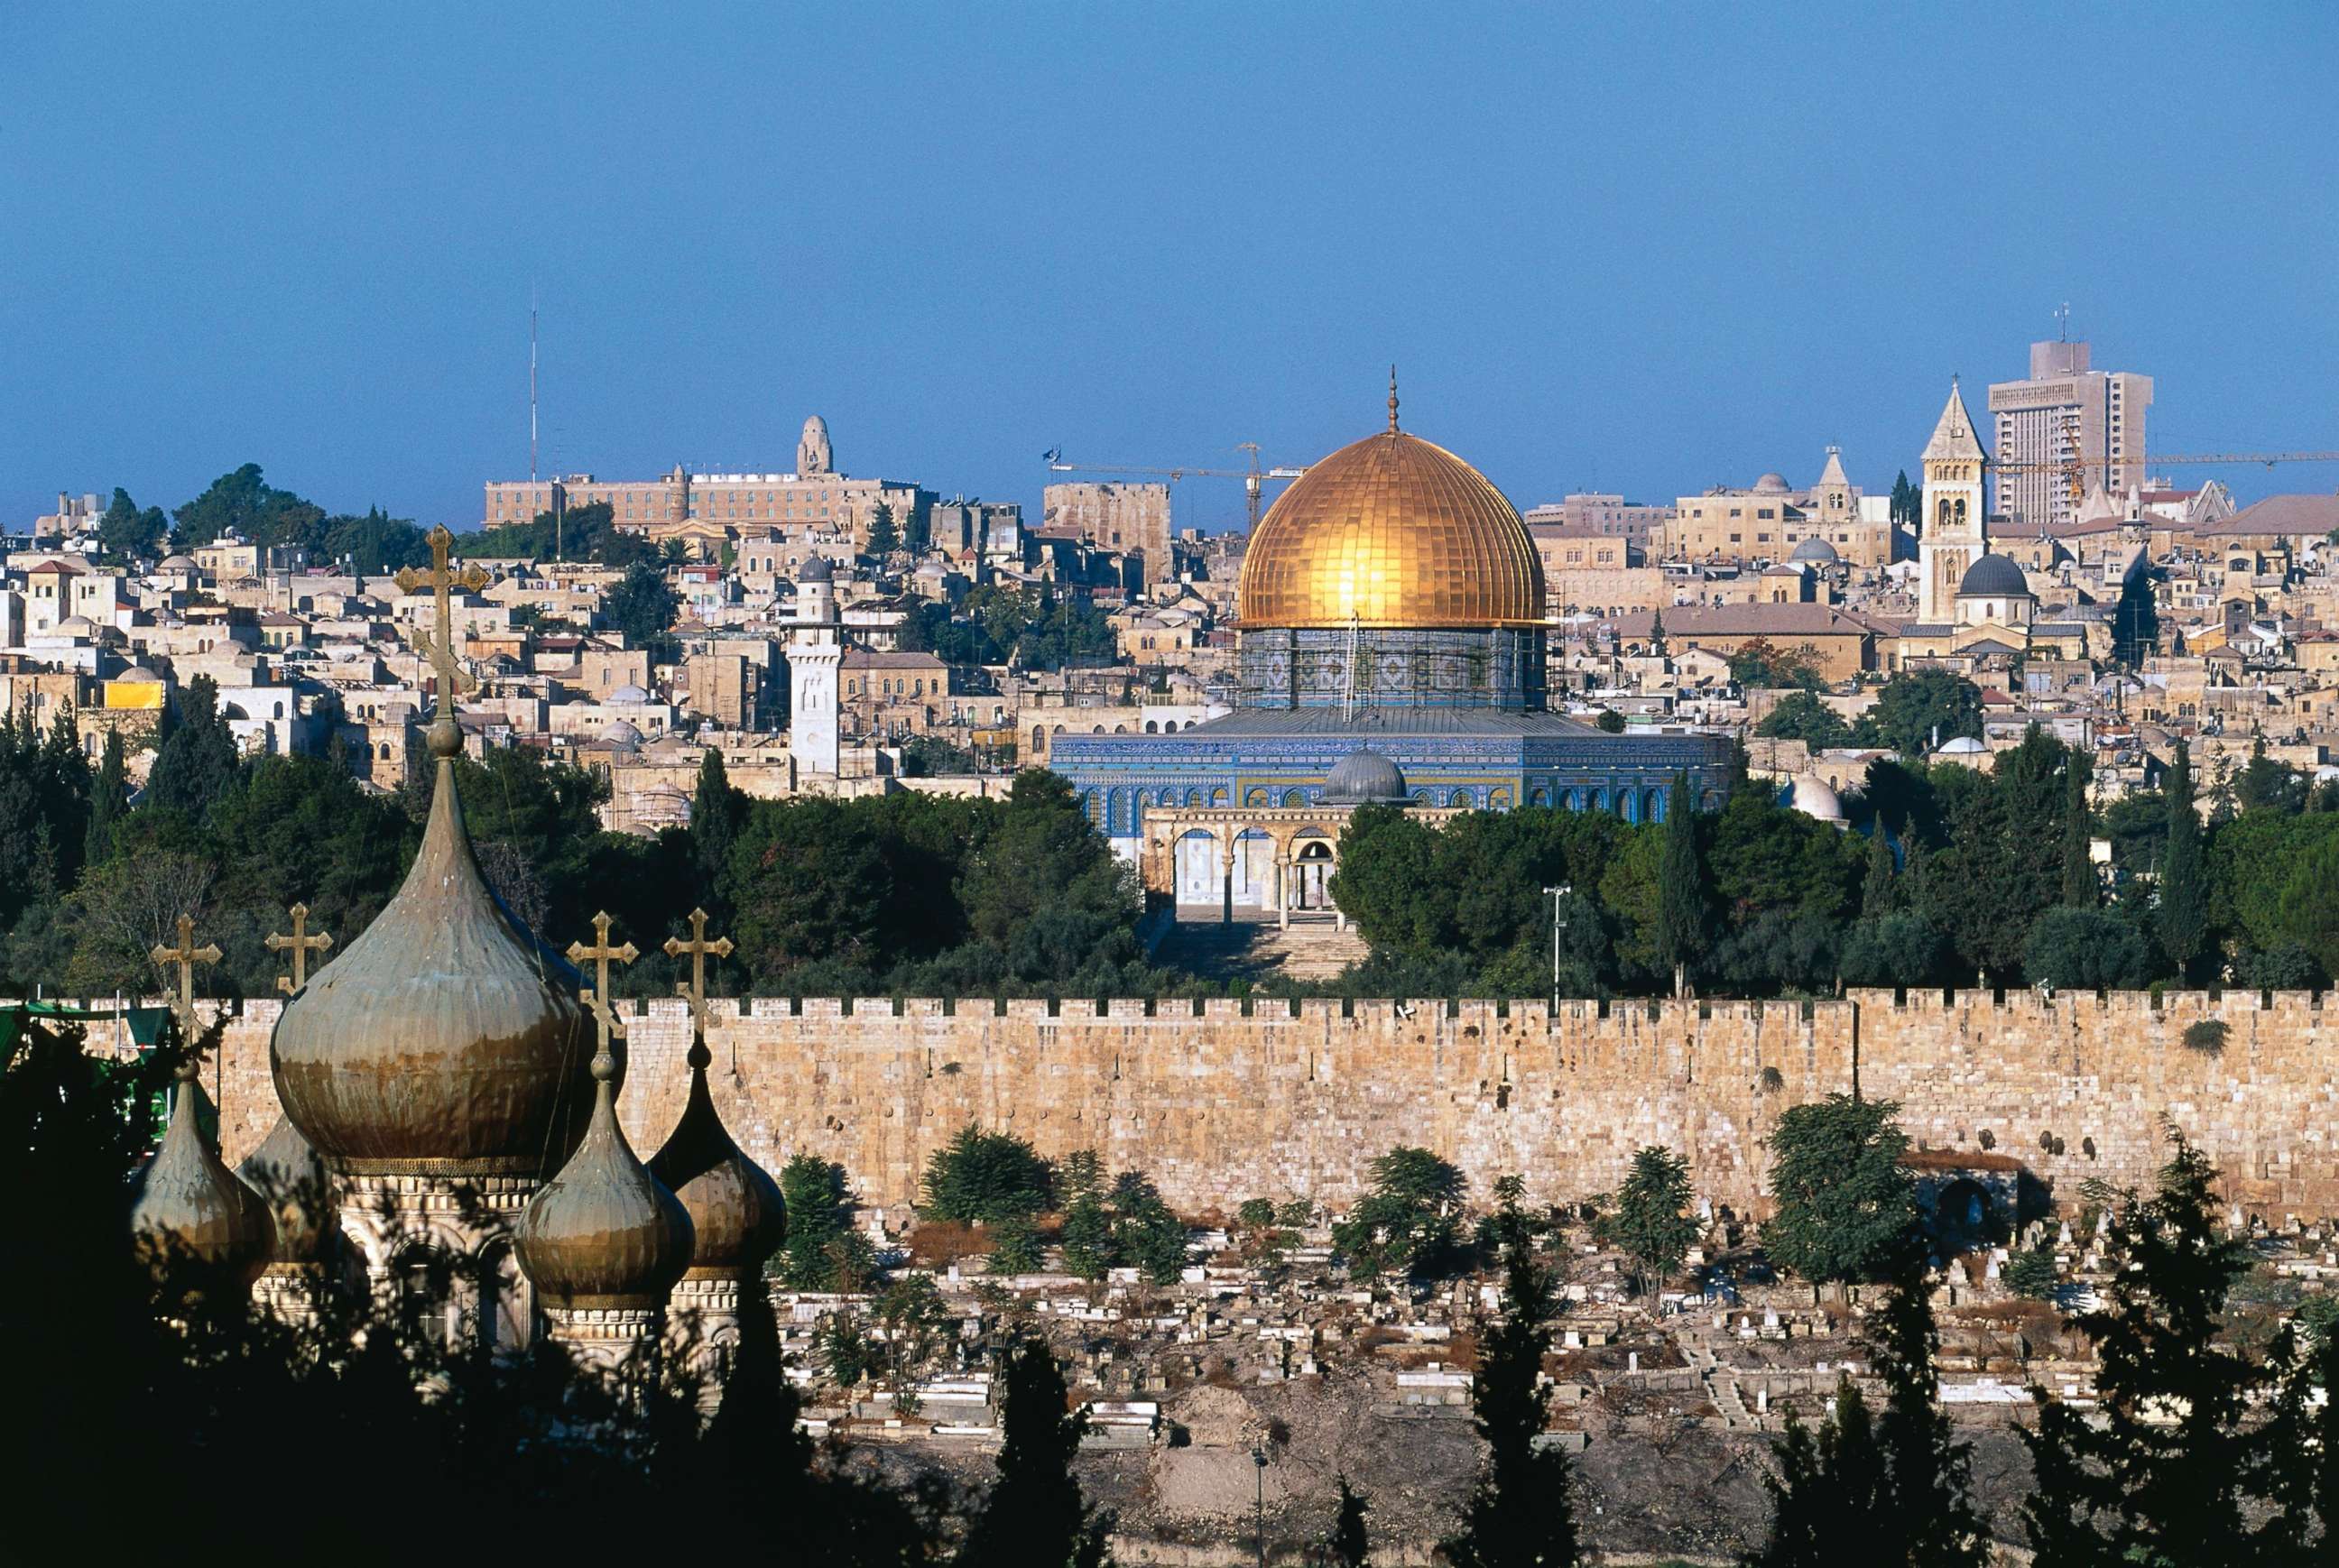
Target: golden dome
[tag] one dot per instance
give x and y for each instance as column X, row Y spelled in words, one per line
column 604, row 1234
column 1392, row 532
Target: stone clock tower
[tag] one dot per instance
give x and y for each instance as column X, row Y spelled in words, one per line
column 1952, row 539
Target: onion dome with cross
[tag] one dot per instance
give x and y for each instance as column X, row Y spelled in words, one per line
column 446, row 1041
column 604, row 1234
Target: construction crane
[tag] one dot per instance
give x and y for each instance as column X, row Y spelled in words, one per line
column 1253, row 478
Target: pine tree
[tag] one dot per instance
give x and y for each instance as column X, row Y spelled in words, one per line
column 884, row 537
column 2303, row 1439
column 1649, row 1218
column 1681, row 880
column 108, row 799
column 2079, row 883
column 1844, row 1202
column 1348, row 1544
column 1520, row 1514
column 1929, row 1521
column 2182, row 917
column 1878, row 896
column 1035, row 1517
column 2164, row 1470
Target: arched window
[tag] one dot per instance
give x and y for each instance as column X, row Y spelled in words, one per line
column 1655, row 808
column 1149, row 728
column 1292, row 797
column 1459, row 799
column 1039, row 739
column 1629, row 805
column 1539, row 797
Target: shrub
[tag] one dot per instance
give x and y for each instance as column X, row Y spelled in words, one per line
column 1407, row 1224
column 2086, row 950
column 2207, row 1036
column 2031, row 1274
column 1014, row 1245
column 985, row 1177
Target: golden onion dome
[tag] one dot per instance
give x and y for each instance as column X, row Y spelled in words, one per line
column 198, row 1229
column 604, row 1234
column 285, row 1171
column 1391, row 531
column 443, row 1041
column 737, row 1218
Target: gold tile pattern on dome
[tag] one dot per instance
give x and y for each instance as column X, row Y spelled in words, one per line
column 1391, row 531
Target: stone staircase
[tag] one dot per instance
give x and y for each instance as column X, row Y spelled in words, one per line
column 1313, row 948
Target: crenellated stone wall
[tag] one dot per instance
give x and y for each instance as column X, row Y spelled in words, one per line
column 1220, row 1103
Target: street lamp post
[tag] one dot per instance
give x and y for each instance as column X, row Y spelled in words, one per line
column 1558, row 924
column 1258, row 1513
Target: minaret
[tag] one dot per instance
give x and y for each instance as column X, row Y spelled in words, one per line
column 1952, row 536
column 815, row 657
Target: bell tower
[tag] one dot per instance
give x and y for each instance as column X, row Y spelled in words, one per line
column 1952, row 536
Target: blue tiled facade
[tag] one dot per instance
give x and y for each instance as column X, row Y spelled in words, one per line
column 1480, row 758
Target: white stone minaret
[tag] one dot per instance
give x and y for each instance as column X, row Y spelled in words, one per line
column 1953, row 536
column 815, row 656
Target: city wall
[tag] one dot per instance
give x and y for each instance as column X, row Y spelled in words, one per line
column 1220, row 1103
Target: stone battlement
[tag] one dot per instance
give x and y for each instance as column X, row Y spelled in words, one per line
column 1224, row 1100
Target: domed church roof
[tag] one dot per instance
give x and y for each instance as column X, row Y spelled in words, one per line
column 445, row 1040
column 1362, row 777
column 1391, row 531
column 1816, row 550
column 737, row 1218
column 604, row 1234
column 1993, row 574
column 287, row 1172
column 197, row 1226
column 1771, row 485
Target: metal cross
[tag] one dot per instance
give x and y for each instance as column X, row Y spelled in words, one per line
column 186, row 955
column 599, row 955
column 442, row 578
column 697, row 947
column 301, row 946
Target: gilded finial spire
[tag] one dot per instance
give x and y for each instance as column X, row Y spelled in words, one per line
column 1392, row 400
column 446, row 738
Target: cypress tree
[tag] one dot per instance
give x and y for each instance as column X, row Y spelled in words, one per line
column 714, row 818
column 1681, row 888
column 1348, row 1544
column 1830, row 1492
column 2079, row 884
column 1929, row 1521
column 1877, row 896
column 1035, row 1516
column 108, row 799
column 1520, row 1514
column 2165, row 1470
column 2184, row 912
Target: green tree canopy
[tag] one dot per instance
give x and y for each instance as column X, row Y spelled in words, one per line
column 1802, row 716
column 1918, row 706
column 1845, row 1205
column 1648, row 1220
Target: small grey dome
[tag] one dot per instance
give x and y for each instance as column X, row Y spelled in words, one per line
column 1816, row 550
column 1993, row 574
column 1364, row 777
column 817, row 570
column 1771, row 485
column 628, row 694
column 623, row 736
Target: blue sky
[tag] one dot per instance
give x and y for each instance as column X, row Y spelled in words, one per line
column 1645, row 248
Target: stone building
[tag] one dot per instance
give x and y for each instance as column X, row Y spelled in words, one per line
column 1115, row 517
column 672, row 504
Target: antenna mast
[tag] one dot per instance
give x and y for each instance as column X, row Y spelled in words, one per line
column 532, row 386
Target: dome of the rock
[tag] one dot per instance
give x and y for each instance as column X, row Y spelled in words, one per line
column 1391, row 531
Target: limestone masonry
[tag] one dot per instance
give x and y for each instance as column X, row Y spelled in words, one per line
column 1220, row 1104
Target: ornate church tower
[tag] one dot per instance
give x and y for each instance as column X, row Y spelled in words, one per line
column 1953, row 537
column 816, row 657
